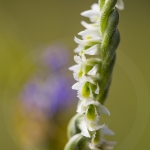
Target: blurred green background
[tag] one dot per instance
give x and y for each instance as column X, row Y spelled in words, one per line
column 27, row 25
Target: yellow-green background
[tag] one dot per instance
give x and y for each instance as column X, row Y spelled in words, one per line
column 27, row 25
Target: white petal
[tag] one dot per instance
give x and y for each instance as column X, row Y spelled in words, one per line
column 97, row 90
column 92, row 50
column 103, row 109
column 81, row 107
column 89, row 79
column 77, row 59
column 76, row 86
column 74, row 68
column 90, row 13
column 93, row 15
column 85, row 79
column 88, row 26
column 83, row 58
column 75, row 76
column 79, row 41
column 95, row 7
column 120, row 4
column 78, row 49
column 93, row 71
column 96, row 103
column 106, row 131
column 84, row 130
column 93, row 126
column 90, row 33
column 88, row 42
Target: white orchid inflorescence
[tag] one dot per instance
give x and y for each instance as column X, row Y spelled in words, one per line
column 93, row 71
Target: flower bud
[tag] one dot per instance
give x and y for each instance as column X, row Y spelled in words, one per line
column 77, row 142
column 73, row 126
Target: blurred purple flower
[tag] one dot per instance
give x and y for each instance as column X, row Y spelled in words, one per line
column 49, row 96
column 53, row 93
column 55, row 56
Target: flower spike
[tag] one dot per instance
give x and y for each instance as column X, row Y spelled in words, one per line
column 96, row 53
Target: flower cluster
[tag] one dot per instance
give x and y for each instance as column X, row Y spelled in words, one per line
column 87, row 73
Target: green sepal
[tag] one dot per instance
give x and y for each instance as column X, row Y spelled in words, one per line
column 78, row 142
column 73, row 125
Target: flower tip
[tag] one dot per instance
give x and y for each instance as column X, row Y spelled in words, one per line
column 70, row 68
column 120, row 5
column 82, row 14
column 80, row 33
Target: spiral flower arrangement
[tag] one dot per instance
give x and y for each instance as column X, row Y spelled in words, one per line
column 93, row 73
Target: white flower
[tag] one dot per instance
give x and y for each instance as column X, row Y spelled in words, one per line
column 89, row 41
column 90, row 34
column 82, row 105
column 93, row 50
column 83, row 88
column 92, row 110
column 84, row 66
column 84, row 128
column 93, row 14
column 97, row 137
column 92, row 115
column 99, row 141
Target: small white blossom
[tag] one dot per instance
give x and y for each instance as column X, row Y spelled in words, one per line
column 98, row 139
column 83, row 88
column 93, row 14
column 84, row 66
column 90, row 33
column 92, row 110
column 89, row 41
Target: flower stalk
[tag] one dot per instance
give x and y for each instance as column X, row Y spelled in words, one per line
column 93, row 73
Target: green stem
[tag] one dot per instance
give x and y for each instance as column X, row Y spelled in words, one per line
column 110, row 40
